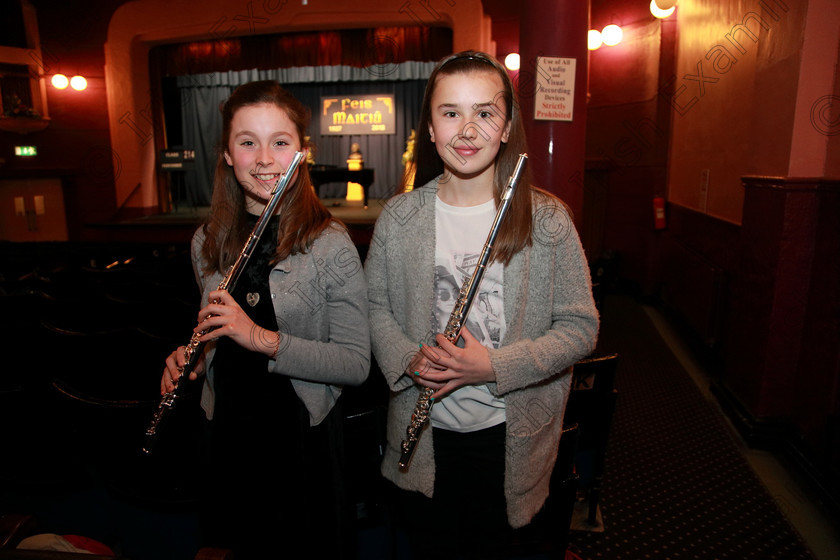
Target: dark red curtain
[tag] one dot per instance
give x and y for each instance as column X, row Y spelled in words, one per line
column 349, row 47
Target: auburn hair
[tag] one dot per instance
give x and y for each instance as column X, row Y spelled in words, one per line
column 515, row 232
column 304, row 216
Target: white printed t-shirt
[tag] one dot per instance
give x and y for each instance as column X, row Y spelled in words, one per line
column 461, row 233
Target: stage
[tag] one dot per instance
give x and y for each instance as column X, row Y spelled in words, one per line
column 178, row 225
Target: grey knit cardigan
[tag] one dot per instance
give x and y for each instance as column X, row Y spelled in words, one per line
column 320, row 302
column 551, row 323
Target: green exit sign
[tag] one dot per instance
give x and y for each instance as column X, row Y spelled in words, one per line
column 26, row 151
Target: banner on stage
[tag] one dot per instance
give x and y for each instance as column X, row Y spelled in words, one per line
column 358, row 114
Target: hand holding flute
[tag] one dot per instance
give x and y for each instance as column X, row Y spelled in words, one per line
column 446, row 367
column 174, row 366
column 221, row 317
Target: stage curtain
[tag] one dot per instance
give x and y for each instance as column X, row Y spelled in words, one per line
column 347, row 47
column 310, row 64
column 201, row 96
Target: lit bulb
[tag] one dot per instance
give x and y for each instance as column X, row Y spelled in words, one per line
column 593, row 40
column 512, row 61
column 60, row 81
column 658, row 11
column 665, row 4
column 611, row 35
column 78, row 83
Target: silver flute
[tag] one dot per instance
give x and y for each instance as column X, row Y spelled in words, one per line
column 193, row 349
column 458, row 317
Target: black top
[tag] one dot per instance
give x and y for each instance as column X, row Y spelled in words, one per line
column 244, row 386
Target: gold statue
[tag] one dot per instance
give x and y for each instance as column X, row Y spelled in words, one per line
column 355, row 162
column 310, row 156
column 407, row 157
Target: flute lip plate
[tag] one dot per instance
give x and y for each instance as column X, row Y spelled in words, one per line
column 296, row 159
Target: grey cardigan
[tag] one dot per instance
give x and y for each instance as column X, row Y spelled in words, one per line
column 320, row 299
column 551, row 323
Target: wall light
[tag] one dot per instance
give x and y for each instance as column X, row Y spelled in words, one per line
column 78, row 83
column 593, row 40
column 665, row 4
column 658, row 9
column 512, row 61
column 60, row 81
column 611, row 35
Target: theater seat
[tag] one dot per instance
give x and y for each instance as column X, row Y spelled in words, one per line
column 591, row 406
column 14, row 528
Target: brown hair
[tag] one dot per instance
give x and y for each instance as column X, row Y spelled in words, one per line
column 515, row 231
column 226, row 228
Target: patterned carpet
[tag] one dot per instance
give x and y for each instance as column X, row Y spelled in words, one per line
column 675, row 484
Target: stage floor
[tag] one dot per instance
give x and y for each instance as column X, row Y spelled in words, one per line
column 354, row 213
column 351, row 213
column 179, row 224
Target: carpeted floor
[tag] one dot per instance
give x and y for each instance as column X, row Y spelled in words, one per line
column 675, row 483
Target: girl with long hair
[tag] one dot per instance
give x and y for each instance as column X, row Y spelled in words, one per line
column 280, row 346
column 483, row 465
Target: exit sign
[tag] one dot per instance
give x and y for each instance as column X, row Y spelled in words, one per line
column 26, row 151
